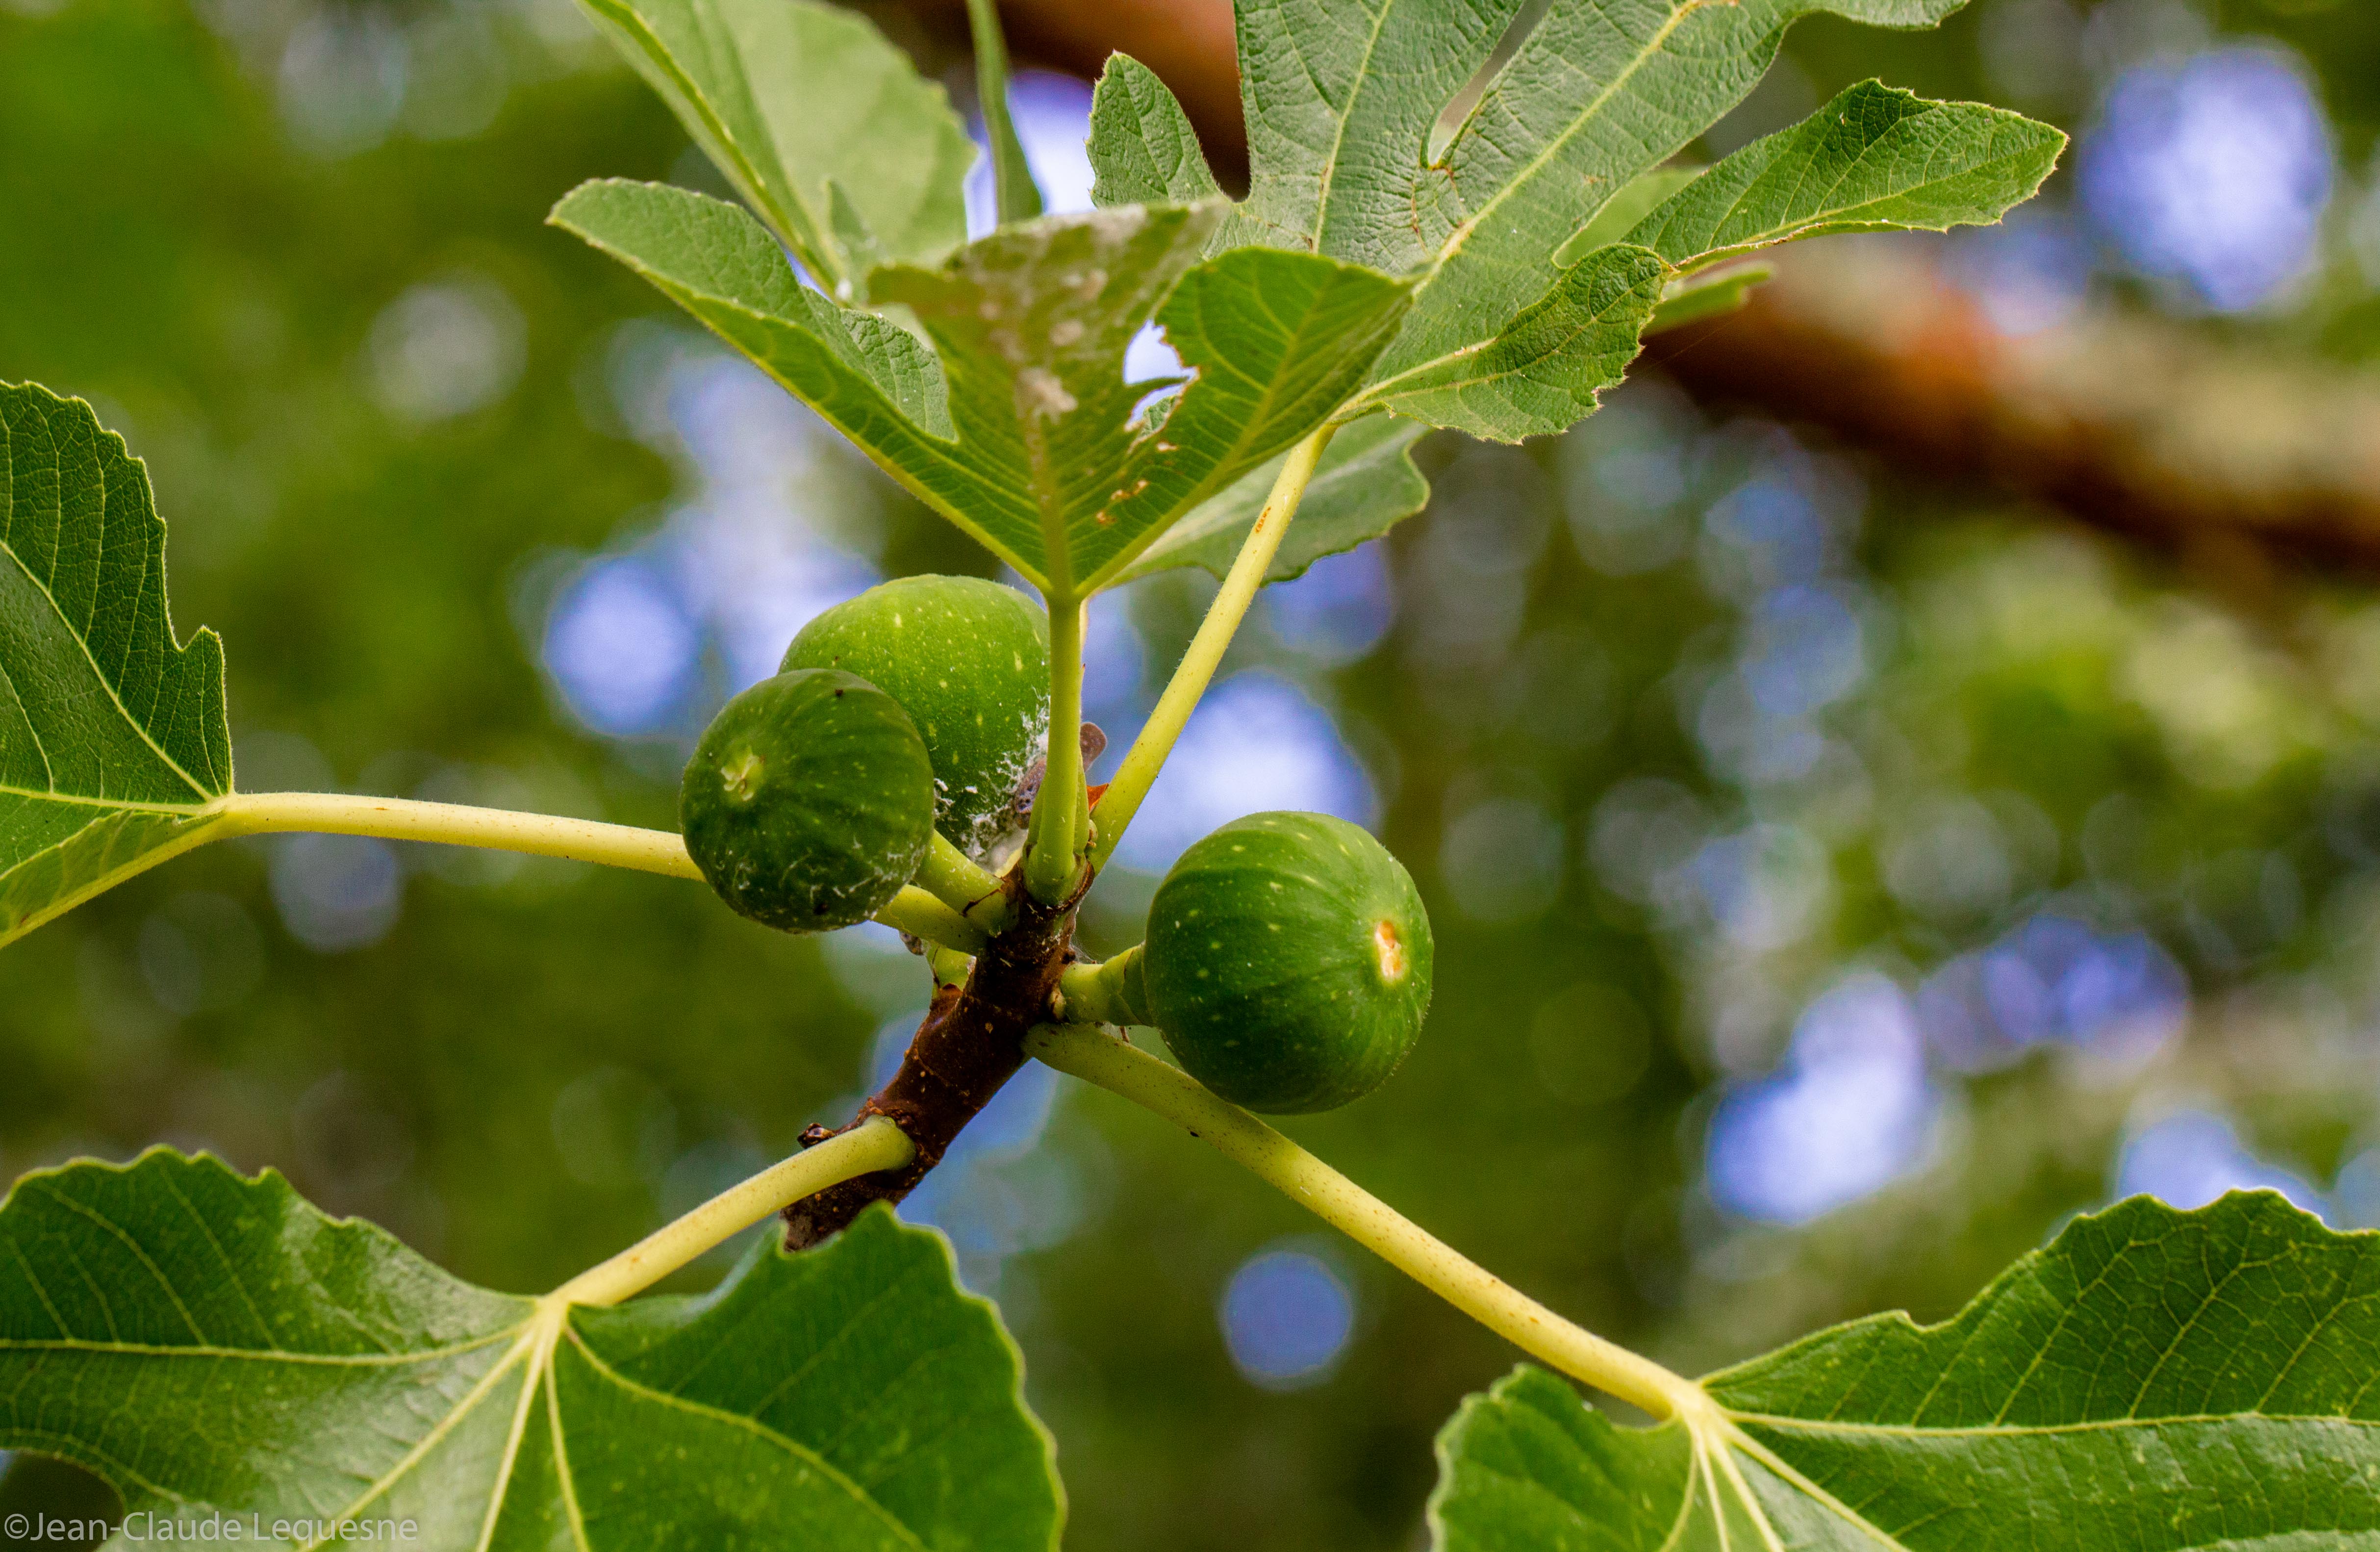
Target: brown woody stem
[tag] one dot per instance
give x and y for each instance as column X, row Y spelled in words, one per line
column 970, row 1043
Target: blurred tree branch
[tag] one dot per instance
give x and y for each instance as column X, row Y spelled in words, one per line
column 1187, row 43
column 2231, row 455
column 2127, row 421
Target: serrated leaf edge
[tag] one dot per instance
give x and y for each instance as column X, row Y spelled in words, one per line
column 546, row 1322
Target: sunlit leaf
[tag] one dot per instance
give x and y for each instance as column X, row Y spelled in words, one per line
column 1874, row 158
column 1022, row 431
column 214, row 1346
column 1351, row 156
column 2153, row 1380
column 1547, row 368
column 114, row 741
column 1142, row 146
column 824, row 126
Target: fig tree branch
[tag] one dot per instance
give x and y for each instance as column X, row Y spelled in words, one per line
column 971, row 1042
column 2127, row 422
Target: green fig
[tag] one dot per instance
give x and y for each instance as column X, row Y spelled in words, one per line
column 1288, row 962
column 969, row 661
column 809, row 801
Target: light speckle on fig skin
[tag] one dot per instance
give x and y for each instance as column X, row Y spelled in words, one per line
column 741, row 776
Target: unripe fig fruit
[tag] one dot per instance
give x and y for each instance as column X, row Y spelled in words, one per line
column 810, row 802
column 969, row 661
column 1289, row 962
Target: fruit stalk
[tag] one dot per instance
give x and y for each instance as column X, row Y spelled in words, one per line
column 1112, row 992
column 919, row 914
column 1147, row 756
column 1089, row 1054
column 962, row 884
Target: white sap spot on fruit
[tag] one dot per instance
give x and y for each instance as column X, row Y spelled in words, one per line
column 741, row 776
column 1389, row 950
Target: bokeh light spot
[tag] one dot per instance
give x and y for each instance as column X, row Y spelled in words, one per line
column 1287, row 1319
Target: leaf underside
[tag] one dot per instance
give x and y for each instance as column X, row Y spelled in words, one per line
column 2153, row 1379
column 1522, row 293
column 113, row 738
column 1365, row 484
column 210, row 1344
column 1019, row 425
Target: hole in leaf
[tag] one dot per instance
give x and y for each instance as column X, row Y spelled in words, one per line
column 1458, row 111
column 1150, row 363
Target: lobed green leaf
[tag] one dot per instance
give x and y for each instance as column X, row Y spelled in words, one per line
column 1143, row 149
column 1022, row 430
column 1554, row 156
column 1874, row 158
column 821, row 124
column 212, row 1345
column 1515, row 198
column 115, row 743
column 1546, row 370
column 2153, row 1379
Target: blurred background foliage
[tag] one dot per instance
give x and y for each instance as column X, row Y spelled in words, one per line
column 1840, row 873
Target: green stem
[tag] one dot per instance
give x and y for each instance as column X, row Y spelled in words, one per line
column 962, row 884
column 919, row 914
column 1020, row 200
column 1115, row 992
column 397, row 819
column 948, row 966
column 1503, row 1309
column 1147, row 756
column 1053, row 853
column 863, row 1150
column 647, row 851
